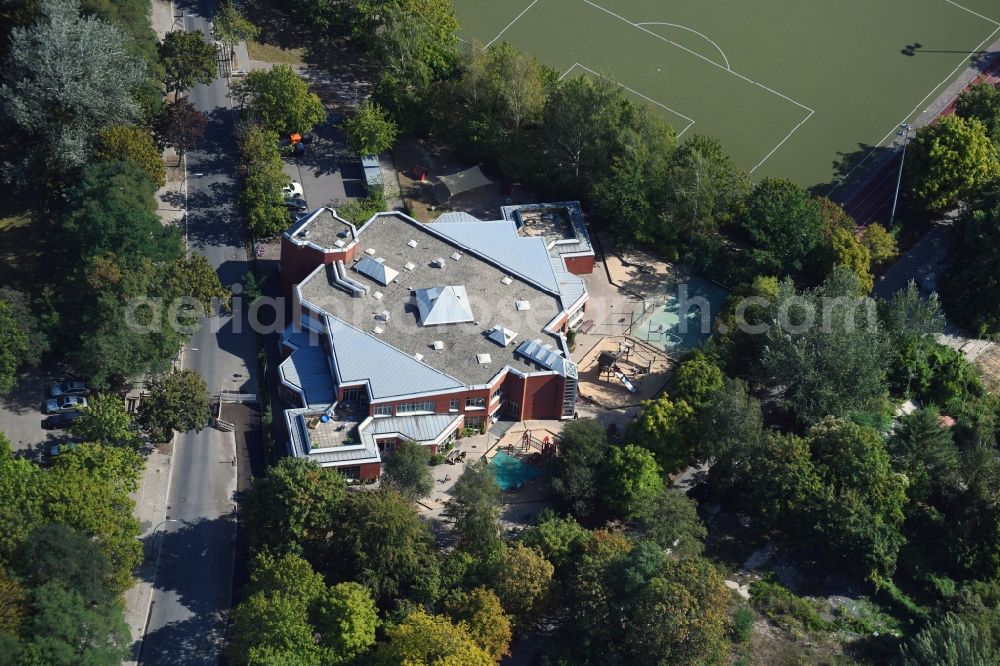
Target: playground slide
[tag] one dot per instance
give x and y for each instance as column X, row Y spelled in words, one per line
column 624, row 380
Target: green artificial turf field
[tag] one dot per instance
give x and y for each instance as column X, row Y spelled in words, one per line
column 793, row 88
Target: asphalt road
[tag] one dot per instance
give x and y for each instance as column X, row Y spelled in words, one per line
column 193, row 576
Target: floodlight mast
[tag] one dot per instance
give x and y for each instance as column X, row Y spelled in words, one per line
column 905, row 132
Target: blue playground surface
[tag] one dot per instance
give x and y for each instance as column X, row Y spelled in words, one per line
column 681, row 316
column 511, row 471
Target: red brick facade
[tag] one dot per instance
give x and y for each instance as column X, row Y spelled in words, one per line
column 298, row 261
column 580, row 265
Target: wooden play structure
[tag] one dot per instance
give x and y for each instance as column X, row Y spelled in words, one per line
column 625, row 365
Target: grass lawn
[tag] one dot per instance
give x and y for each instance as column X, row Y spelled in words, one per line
column 21, row 249
column 795, row 88
column 276, row 54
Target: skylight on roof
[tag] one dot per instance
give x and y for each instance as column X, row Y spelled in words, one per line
column 339, row 243
column 522, row 305
column 507, row 279
column 378, row 330
column 376, row 270
column 370, row 251
column 418, row 356
column 483, row 359
column 456, row 255
column 378, row 295
column 409, row 266
column 438, row 345
column 411, row 243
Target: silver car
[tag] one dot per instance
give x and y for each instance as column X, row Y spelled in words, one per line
column 74, row 387
column 67, row 403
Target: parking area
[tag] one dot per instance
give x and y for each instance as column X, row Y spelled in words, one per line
column 330, row 173
column 22, row 419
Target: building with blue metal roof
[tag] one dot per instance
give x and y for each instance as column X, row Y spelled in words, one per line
column 445, row 325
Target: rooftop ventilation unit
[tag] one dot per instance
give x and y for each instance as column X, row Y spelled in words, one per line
column 412, row 243
column 378, row 295
column 418, row 356
column 507, row 279
column 339, row 243
column 409, row 266
column 522, row 305
column 378, row 330
column 382, row 316
column 456, row 255
column 438, row 263
column 370, row 251
column 438, row 345
column 483, row 359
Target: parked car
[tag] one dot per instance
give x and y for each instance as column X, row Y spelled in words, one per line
column 296, row 204
column 73, row 387
column 67, row 403
column 60, row 421
column 63, row 447
column 293, row 189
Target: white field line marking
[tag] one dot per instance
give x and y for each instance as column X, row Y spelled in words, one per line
column 725, row 69
column 684, row 27
column 523, row 12
column 972, row 12
column 636, row 93
column 697, row 55
column 787, row 137
column 948, row 78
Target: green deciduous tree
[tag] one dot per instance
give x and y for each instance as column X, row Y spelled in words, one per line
column 480, row 613
column 346, row 619
column 15, row 347
column 784, row 225
column 697, row 380
column 522, row 579
column 671, row 521
column 824, row 349
column 982, row 102
column 295, row 505
column 385, row 546
column 925, row 450
column 230, row 27
column 106, row 421
column 575, row 477
column 66, row 78
column 281, row 100
column 407, row 469
column 475, row 509
column 429, row 639
column 664, row 427
column 262, row 170
column 557, row 539
column 178, row 401
column 970, row 289
column 132, row 144
column 880, row 243
column 57, row 553
column 950, row 160
column 728, row 429
column 632, row 480
column 12, row 604
column 371, row 131
column 64, row 630
column 187, row 59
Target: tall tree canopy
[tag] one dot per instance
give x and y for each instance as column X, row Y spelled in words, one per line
column 66, row 78
column 950, row 160
column 784, row 225
column 281, row 100
column 971, row 286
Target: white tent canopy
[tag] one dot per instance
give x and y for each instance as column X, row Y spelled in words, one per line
column 464, row 181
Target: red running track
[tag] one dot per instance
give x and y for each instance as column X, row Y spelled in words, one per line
column 873, row 203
